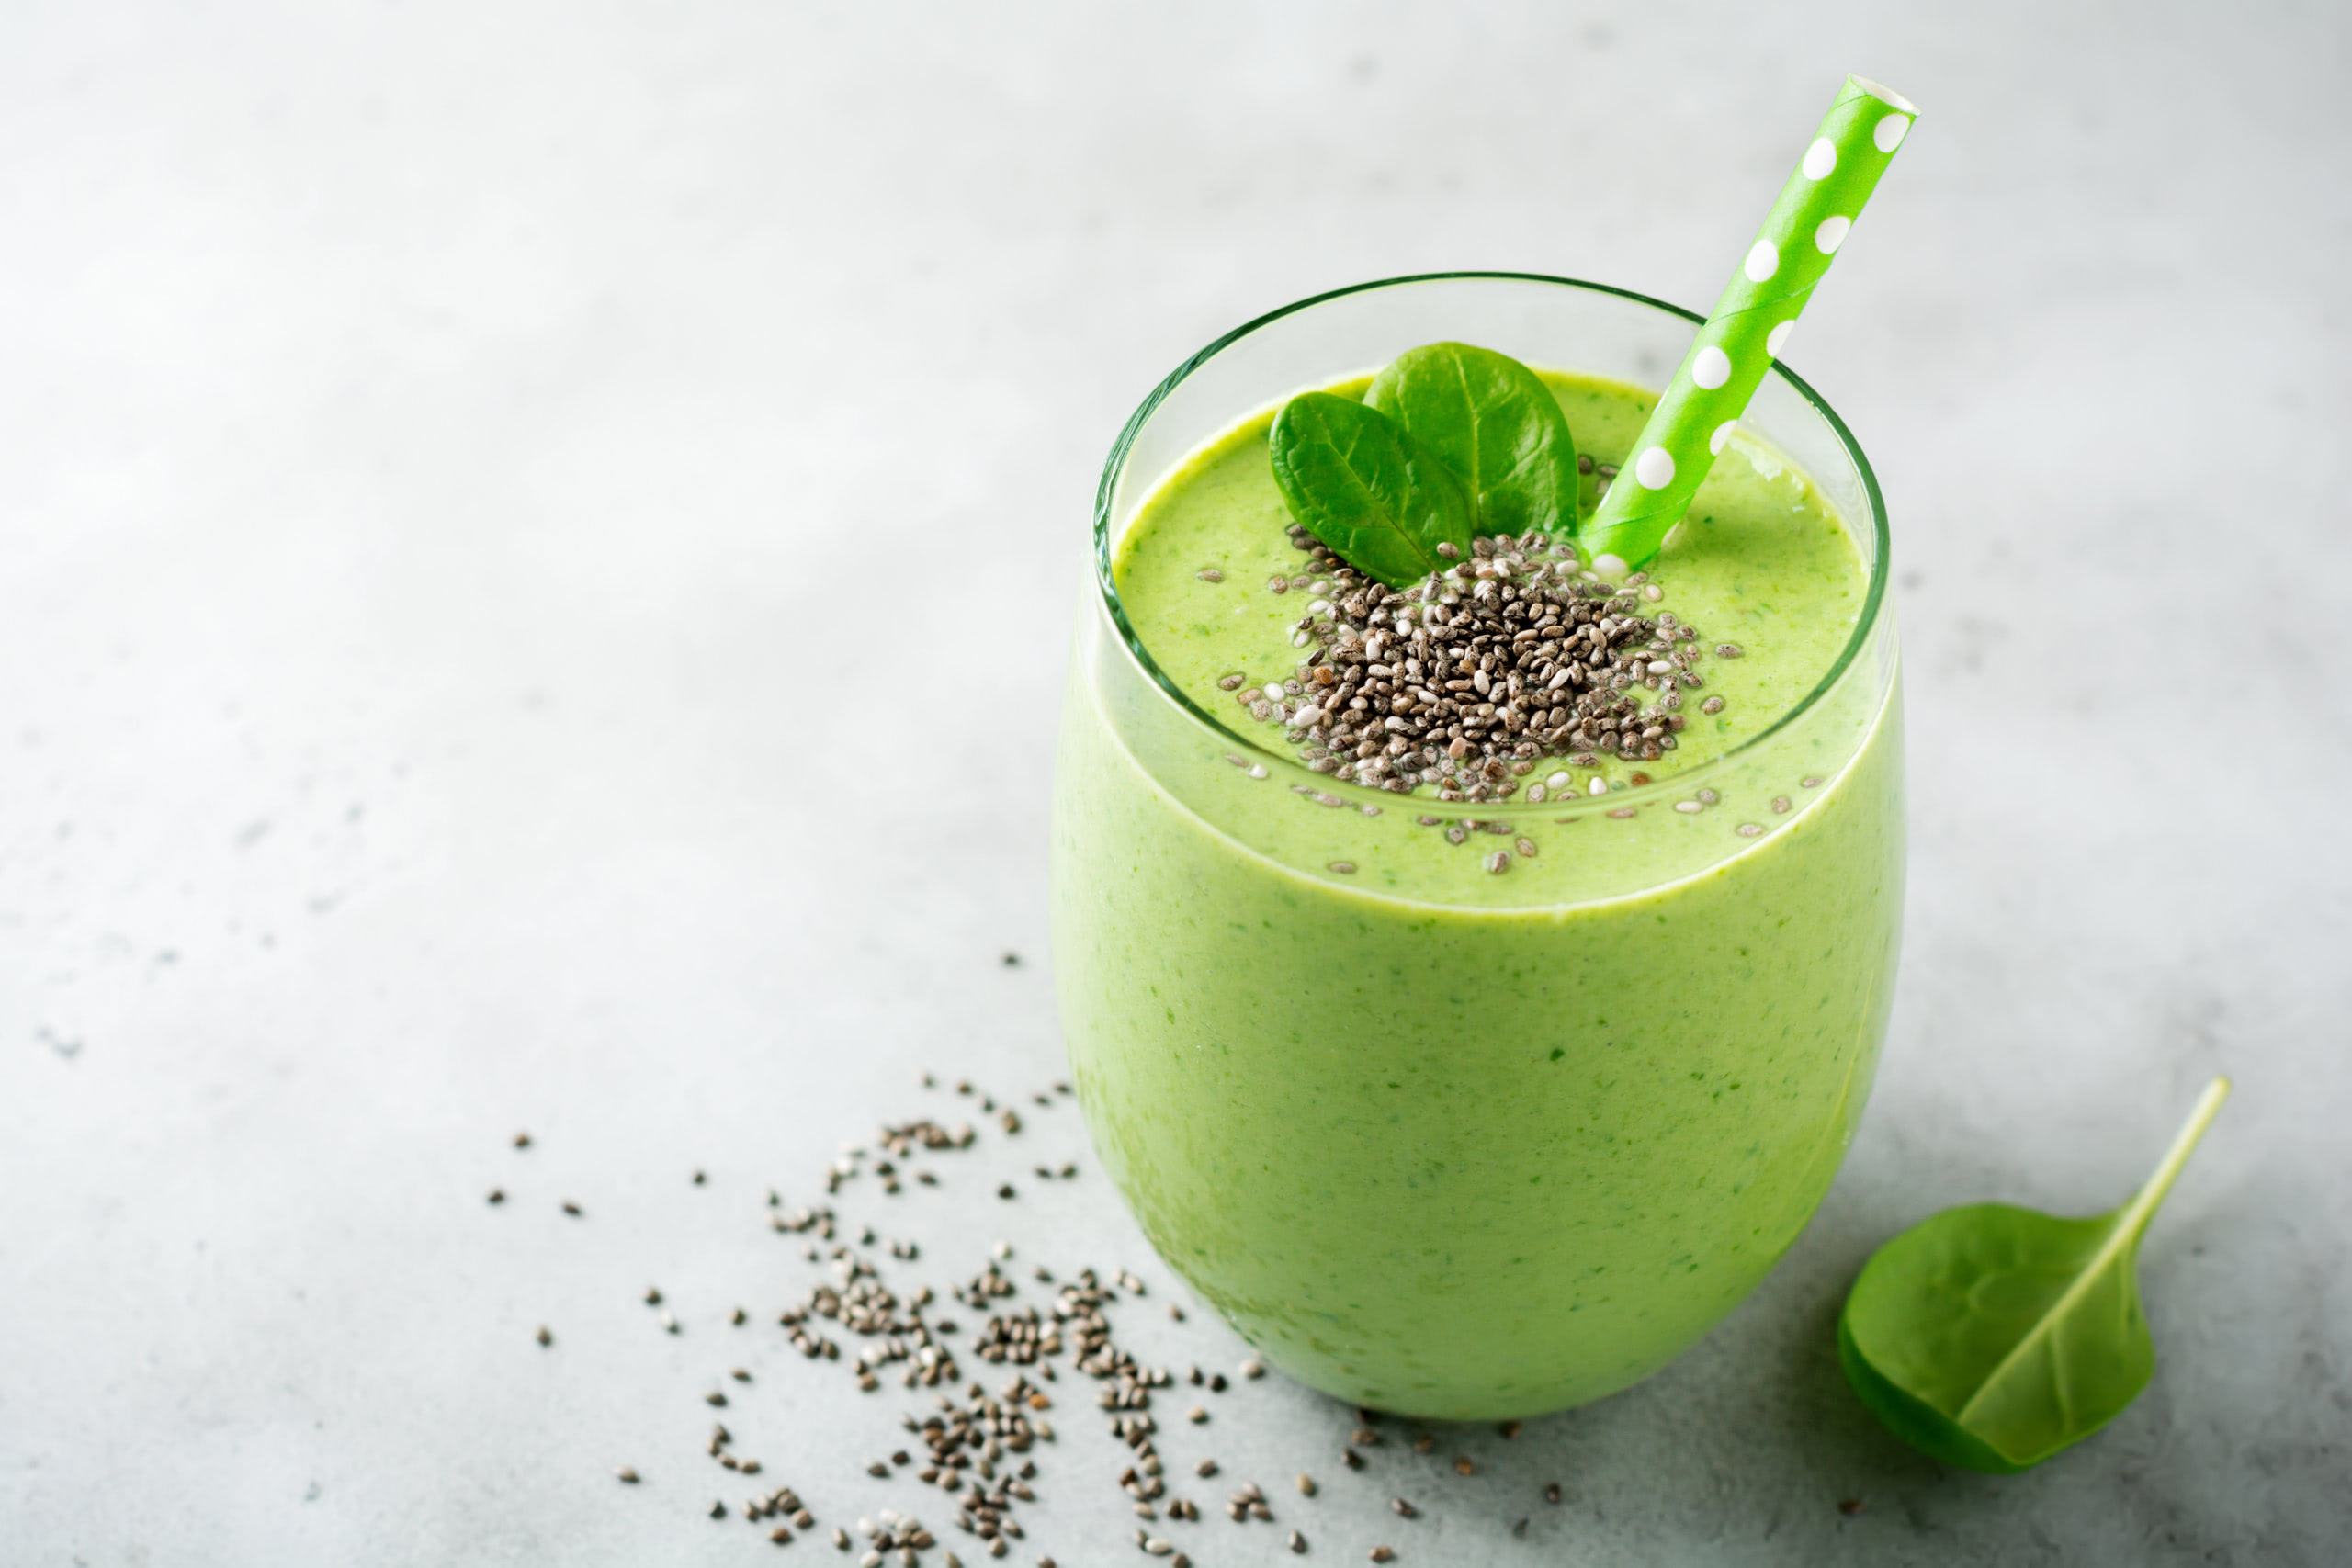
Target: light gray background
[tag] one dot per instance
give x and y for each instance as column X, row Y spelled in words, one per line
column 479, row 484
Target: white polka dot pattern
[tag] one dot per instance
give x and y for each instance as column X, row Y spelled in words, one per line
column 1750, row 326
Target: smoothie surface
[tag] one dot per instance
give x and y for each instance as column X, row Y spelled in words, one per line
column 1762, row 562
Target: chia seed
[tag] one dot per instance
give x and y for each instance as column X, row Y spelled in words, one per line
column 1493, row 663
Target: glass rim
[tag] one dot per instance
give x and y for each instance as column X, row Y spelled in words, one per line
column 1866, row 625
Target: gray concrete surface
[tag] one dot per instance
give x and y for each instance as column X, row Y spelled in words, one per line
column 456, row 456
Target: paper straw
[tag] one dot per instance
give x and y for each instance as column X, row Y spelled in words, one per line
column 1750, row 326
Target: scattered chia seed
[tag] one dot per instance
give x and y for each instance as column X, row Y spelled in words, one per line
column 970, row 1445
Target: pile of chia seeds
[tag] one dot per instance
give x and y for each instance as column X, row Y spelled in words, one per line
column 984, row 1442
column 1462, row 681
column 979, row 1446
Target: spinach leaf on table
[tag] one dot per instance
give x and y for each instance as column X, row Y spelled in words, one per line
column 1991, row 1337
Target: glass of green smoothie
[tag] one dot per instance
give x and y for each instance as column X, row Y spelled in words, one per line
column 1488, row 1093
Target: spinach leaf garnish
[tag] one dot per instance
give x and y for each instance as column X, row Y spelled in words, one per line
column 1495, row 424
column 1991, row 1337
column 1359, row 482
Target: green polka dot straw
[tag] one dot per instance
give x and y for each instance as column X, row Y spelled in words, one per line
column 1692, row 423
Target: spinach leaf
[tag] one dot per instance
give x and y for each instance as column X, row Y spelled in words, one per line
column 1496, row 424
column 1357, row 481
column 1991, row 1337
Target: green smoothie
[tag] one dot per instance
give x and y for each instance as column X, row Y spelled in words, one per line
column 1437, row 1138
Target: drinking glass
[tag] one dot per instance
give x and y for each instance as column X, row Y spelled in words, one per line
column 1485, row 1145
